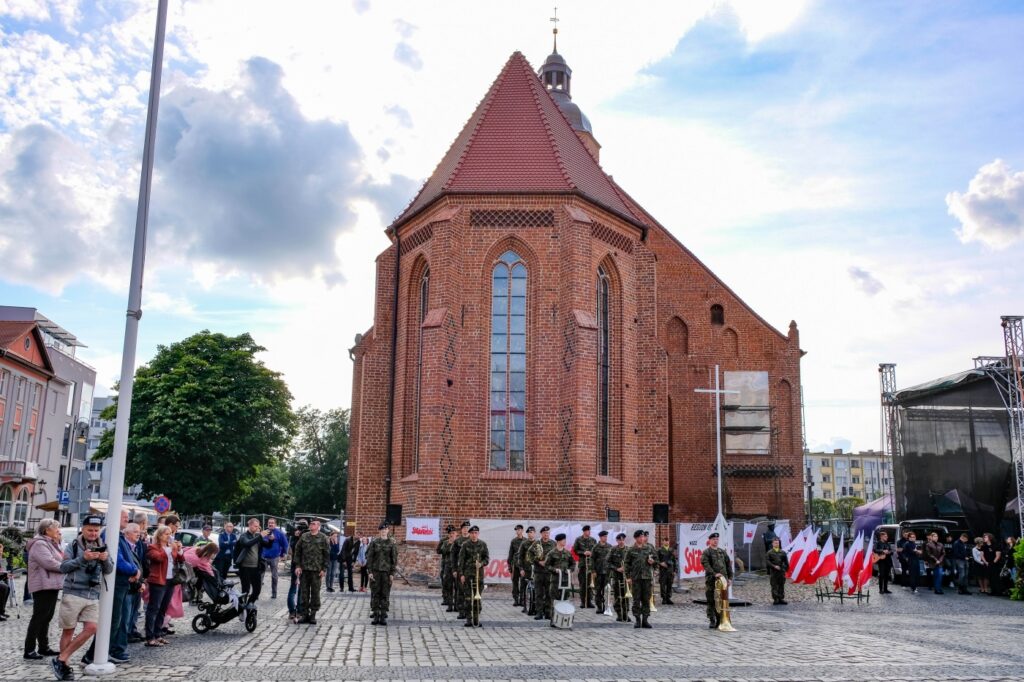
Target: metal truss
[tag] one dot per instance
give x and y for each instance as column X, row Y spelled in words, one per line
column 892, row 444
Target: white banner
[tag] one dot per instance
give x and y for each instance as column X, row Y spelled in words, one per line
column 749, row 530
column 693, row 540
column 498, row 534
column 422, row 529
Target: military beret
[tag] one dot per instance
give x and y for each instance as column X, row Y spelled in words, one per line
column 474, row 529
column 519, row 526
column 620, row 536
column 450, row 529
column 559, row 537
column 383, row 526
column 586, row 527
column 531, row 529
column 713, row 535
column 637, row 533
column 545, row 529
column 602, row 534
column 465, row 524
column 647, row 533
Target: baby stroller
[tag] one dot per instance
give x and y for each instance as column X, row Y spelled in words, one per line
column 225, row 603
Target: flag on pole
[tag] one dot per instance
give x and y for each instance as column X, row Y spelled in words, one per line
column 802, row 553
column 853, row 559
column 837, row 579
column 749, row 530
column 805, row 574
column 864, row 576
column 798, row 547
column 826, row 566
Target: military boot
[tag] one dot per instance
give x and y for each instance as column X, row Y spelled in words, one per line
column 639, row 623
column 646, row 623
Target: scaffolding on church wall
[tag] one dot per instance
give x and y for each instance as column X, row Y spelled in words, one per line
column 892, row 445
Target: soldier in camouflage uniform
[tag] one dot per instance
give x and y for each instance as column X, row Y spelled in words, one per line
column 667, row 566
column 716, row 564
column 617, row 571
column 444, row 548
column 584, row 547
column 525, row 572
column 599, row 557
column 311, row 554
column 381, row 562
column 538, row 551
column 473, row 560
column 460, row 587
column 559, row 564
column 513, row 564
column 639, row 565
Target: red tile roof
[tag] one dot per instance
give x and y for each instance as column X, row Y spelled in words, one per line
column 12, row 331
column 518, row 140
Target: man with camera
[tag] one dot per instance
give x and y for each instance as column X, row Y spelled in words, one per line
column 127, row 581
column 5, row 589
column 86, row 561
column 249, row 558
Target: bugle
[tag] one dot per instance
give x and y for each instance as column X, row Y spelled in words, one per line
column 608, row 600
column 722, row 605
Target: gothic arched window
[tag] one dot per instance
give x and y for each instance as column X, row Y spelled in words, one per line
column 508, row 364
column 717, row 315
column 604, row 373
column 423, row 307
column 21, row 509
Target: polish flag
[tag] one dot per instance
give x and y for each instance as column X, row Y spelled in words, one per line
column 805, row 574
column 837, row 579
column 799, row 547
column 851, row 568
column 826, row 567
column 807, row 550
column 864, row 577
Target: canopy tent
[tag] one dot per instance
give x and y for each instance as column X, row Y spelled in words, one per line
column 872, row 514
column 101, row 506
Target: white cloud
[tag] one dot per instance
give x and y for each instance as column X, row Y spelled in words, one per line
column 992, row 209
column 865, row 281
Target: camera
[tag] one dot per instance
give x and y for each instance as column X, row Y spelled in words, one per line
column 92, row 570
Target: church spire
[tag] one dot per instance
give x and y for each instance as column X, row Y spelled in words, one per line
column 554, row 30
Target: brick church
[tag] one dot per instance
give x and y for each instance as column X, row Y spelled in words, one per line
column 538, row 338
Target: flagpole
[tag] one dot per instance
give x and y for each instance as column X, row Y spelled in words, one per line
column 101, row 664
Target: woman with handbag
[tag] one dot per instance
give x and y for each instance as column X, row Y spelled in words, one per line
column 162, row 556
column 176, row 609
column 45, row 580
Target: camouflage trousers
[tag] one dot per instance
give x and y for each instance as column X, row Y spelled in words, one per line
column 309, row 592
column 619, row 597
column 642, row 598
column 380, row 594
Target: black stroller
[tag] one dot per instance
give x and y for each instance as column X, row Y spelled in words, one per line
column 221, row 608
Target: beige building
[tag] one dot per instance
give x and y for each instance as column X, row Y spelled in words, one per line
column 836, row 474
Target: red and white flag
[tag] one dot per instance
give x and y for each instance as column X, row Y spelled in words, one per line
column 864, row 576
column 826, row 566
column 837, row 579
column 852, row 557
column 799, row 547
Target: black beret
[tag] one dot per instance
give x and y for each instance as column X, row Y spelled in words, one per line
column 545, row 529
column 383, row 525
column 602, row 534
column 620, row 536
column 531, row 529
column 465, row 524
column 647, row 533
column 450, row 529
column 474, row 529
column 586, row 528
column 519, row 526
column 713, row 535
column 559, row 537
column 637, row 533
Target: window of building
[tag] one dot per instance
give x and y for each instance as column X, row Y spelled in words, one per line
column 508, row 364
column 824, row 462
column 604, row 372
column 844, row 491
column 21, row 509
column 856, row 480
column 19, row 396
column 5, row 505
column 71, row 399
column 826, row 478
column 422, row 315
column 3, row 382
column 855, row 463
column 717, row 315
column 828, row 494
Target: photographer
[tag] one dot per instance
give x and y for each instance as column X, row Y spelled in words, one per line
column 5, row 589
column 85, row 563
column 249, row 560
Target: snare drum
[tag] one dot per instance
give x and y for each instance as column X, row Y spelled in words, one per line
column 563, row 615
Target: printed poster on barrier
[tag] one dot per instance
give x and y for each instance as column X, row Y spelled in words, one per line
column 498, row 534
column 693, row 539
column 422, row 529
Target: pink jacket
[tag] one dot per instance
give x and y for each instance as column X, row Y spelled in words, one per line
column 196, row 562
column 44, row 559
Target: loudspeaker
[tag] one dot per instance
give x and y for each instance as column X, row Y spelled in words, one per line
column 394, row 514
column 613, row 515
column 660, row 513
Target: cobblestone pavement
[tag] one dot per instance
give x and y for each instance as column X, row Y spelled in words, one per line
column 898, row 637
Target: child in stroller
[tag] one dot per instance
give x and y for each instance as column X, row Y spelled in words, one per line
column 225, row 602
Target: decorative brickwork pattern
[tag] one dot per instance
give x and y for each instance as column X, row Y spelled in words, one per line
column 610, row 236
column 511, row 218
column 754, row 470
column 569, row 342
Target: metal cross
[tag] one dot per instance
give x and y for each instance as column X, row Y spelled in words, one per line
column 554, row 20
column 718, row 391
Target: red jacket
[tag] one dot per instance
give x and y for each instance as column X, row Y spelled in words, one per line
column 158, row 564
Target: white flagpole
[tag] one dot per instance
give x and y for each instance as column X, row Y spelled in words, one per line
column 100, row 665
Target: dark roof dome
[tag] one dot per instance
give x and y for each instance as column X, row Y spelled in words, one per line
column 577, row 118
column 556, row 76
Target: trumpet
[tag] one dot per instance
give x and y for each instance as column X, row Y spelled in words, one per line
column 722, row 605
column 476, row 585
column 654, row 581
column 607, row 600
column 591, row 578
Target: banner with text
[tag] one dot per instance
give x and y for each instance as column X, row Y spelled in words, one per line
column 693, row 539
column 498, row 534
column 422, row 529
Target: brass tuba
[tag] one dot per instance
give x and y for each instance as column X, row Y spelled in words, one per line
column 722, row 605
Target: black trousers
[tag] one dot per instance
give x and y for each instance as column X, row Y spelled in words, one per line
column 884, row 575
column 348, row 569
column 665, row 579
column 541, row 580
column 44, row 602
column 252, row 581
column 777, row 579
column 600, row 582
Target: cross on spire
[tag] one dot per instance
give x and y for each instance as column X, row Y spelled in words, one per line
column 554, row 30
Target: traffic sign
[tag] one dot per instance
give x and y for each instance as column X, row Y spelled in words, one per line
column 162, row 504
column 63, row 498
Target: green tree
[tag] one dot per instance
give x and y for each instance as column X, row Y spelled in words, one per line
column 845, row 505
column 822, row 509
column 267, row 491
column 205, row 414
column 319, row 466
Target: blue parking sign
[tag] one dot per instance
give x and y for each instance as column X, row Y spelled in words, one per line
column 63, row 497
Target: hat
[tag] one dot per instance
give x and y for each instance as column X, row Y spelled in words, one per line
column 92, row 520
column 586, row 527
column 383, row 525
column 638, row 533
column 602, row 534
column 519, row 526
column 474, row 529
column 647, row 533
column 450, row 529
column 559, row 537
column 620, row 536
column 207, row 527
column 712, row 536
column 545, row 529
column 531, row 529
column 465, row 524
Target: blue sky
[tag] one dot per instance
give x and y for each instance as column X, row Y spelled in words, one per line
column 857, row 167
